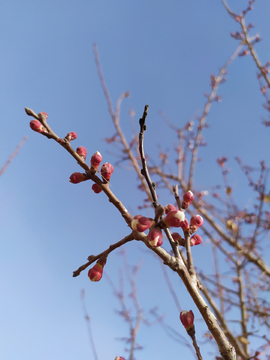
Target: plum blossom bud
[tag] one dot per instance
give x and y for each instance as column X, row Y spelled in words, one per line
column 184, row 224
column 96, row 160
column 173, row 219
column 106, row 171
column 187, row 199
column 77, row 177
column 196, row 221
column 96, row 188
column 195, row 240
column 141, row 223
column 169, row 208
column 187, row 319
column 178, row 238
column 119, row 358
column 71, row 136
column 155, row 237
column 43, row 115
column 81, row 151
column 37, row 126
column 95, row 273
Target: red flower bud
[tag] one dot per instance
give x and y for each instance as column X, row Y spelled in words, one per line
column 195, row 240
column 77, row 177
column 96, row 160
column 184, row 224
column 155, row 237
column 106, row 171
column 96, row 188
column 187, row 319
column 141, row 223
column 169, row 208
column 196, row 221
column 71, row 136
column 187, row 199
column 119, row 358
column 178, row 238
column 37, row 126
column 173, row 218
column 44, row 115
column 82, row 152
column 95, row 273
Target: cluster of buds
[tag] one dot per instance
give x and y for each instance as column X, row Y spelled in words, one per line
column 195, row 240
column 95, row 273
column 187, row 319
column 187, row 199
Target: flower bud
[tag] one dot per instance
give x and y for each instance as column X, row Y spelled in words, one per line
column 187, row 319
column 155, row 237
column 184, row 224
column 81, row 151
column 178, row 238
column 140, row 223
column 195, row 240
column 187, row 199
column 196, row 221
column 37, row 126
column 96, row 160
column 169, row 208
column 96, row 188
column 43, row 115
column 71, row 136
column 106, row 171
column 173, row 219
column 77, row 177
column 95, row 273
column 119, row 358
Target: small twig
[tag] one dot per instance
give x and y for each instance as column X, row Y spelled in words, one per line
column 13, row 155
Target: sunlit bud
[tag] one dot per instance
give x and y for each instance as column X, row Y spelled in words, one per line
column 77, row 177
column 43, row 115
column 187, row 199
column 37, row 126
column 96, row 160
column 155, row 237
column 187, row 319
column 82, row 152
column 184, row 224
column 96, row 188
column 119, row 358
column 178, row 238
column 95, row 273
column 195, row 240
column 71, row 136
column 169, row 208
column 173, row 218
column 141, row 223
column 196, row 221
column 106, row 171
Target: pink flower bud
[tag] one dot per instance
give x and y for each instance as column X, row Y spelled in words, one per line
column 141, row 223
column 119, row 358
column 174, row 218
column 82, row 152
column 196, row 221
column 96, row 160
column 37, row 126
column 43, row 114
column 96, row 188
column 71, row 136
column 95, row 273
column 184, row 224
column 106, row 171
column 169, row 208
column 155, row 237
column 195, row 240
column 187, row 199
column 178, row 238
column 187, row 319
column 77, row 177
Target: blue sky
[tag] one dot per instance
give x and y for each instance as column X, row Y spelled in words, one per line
column 163, row 52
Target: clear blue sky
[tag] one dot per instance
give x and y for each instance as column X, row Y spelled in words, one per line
column 163, row 52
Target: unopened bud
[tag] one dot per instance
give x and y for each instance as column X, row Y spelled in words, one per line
column 81, row 151
column 196, row 221
column 140, row 223
column 187, row 199
column 119, row 358
column 95, row 273
column 71, row 136
column 178, row 238
column 155, row 237
column 187, row 319
column 106, row 171
column 184, row 225
column 43, row 115
column 96, row 188
column 37, row 126
column 169, row 208
column 96, row 160
column 195, row 240
column 77, row 177
column 173, row 219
